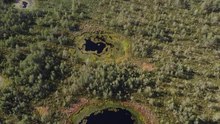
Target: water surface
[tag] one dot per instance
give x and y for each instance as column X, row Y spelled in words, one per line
column 108, row 116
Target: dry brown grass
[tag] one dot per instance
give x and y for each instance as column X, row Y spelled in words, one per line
column 75, row 107
column 148, row 67
column 43, row 111
column 145, row 66
column 147, row 116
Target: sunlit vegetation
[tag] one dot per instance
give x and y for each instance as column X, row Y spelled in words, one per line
column 44, row 67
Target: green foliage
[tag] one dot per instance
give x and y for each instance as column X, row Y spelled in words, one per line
column 145, row 48
column 177, row 70
column 38, row 54
column 15, row 22
column 116, row 81
column 14, row 102
column 211, row 6
column 34, row 77
column 8, row 1
column 214, row 43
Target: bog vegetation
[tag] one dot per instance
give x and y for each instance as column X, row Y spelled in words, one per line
column 40, row 62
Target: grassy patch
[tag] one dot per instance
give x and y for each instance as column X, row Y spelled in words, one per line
column 4, row 82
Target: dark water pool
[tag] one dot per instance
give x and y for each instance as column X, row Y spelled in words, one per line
column 24, row 4
column 92, row 46
column 107, row 116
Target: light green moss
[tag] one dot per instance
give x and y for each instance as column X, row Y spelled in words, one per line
column 4, row 82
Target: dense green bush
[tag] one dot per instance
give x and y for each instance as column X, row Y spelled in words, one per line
column 8, row 1
column 144, row 48
column 14, row 102
column 177, row 70
column 34, row 76
column 211, row 6
column 116, row 81
column 214, row 42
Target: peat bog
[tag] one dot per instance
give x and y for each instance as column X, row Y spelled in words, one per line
column 98, row 45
